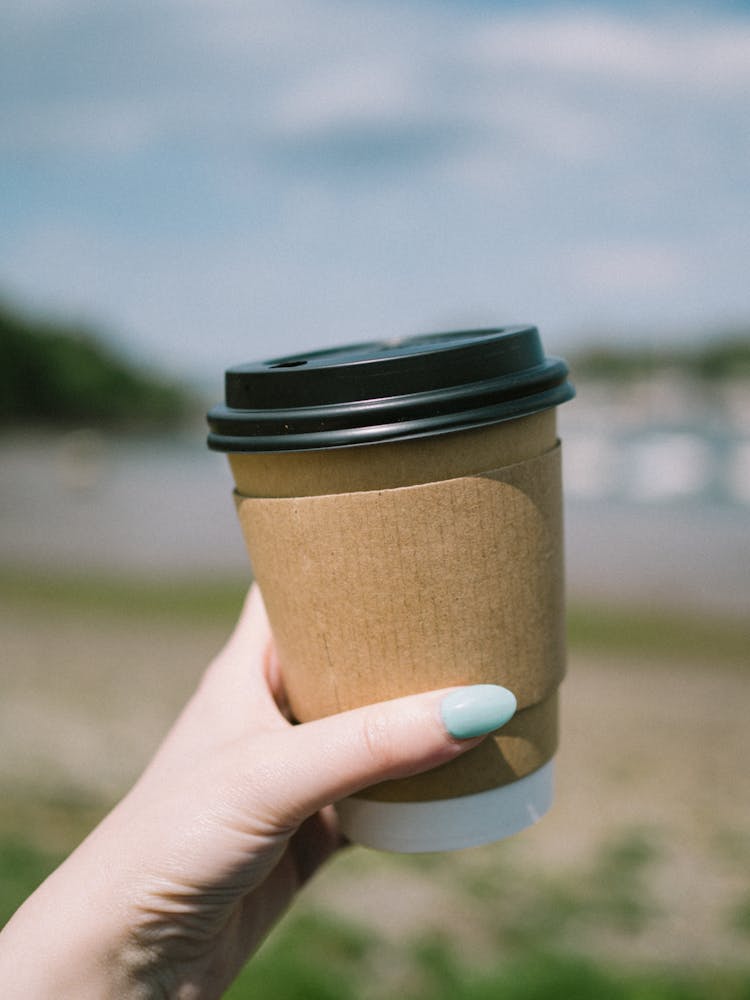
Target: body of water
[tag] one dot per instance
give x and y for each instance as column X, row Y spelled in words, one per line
column 658, row 511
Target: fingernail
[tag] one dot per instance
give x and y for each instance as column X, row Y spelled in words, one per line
column 476, row 710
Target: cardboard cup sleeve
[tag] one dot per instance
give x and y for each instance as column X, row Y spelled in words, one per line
column 381, row 593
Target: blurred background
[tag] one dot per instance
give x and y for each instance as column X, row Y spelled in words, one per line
column 186, row 186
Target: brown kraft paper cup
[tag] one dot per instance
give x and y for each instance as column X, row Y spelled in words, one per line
column 413, row 564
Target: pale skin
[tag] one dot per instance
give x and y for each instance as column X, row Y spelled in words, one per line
column 181, row 882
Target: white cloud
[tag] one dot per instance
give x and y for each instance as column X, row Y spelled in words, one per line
column 351, row 92
column 185, row 165
column 682, row 53
column 93, row 125
column 29, row 14
column 637, row 267
column 230, row 72
column 548, row 123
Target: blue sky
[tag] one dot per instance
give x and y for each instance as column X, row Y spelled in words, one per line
column 218, row 180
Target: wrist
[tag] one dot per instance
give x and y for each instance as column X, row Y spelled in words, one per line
column 62, row 946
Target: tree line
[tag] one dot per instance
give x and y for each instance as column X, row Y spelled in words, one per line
column 60, row 374
column 53, row 373
column 724, row 356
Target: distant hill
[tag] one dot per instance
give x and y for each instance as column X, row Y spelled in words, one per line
column 59, row 374
column 726, row 356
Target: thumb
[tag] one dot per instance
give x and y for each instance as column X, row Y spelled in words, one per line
column 317, row 763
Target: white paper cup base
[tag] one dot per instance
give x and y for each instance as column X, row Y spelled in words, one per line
column 449, row 824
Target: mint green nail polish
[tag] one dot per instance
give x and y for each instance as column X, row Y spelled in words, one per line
column 476, row 710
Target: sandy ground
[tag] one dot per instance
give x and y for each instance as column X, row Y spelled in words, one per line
column 649, row 749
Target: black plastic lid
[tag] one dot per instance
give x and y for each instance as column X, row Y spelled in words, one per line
column 387, row 390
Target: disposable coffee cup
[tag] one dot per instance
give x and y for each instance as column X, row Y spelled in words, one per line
column 401, row 506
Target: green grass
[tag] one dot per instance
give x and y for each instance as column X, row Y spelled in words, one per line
column 318, row 958
column 182, row 599
column 311, row 958
column 36, row 833
column 541, row 925
column 313, row 955
column 617, row 630
column 22, row 867
column 740, row 916
column 662, row 634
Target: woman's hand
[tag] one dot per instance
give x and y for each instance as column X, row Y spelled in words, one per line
column 180, row 883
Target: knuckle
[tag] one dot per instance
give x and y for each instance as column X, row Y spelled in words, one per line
column 378, row 740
